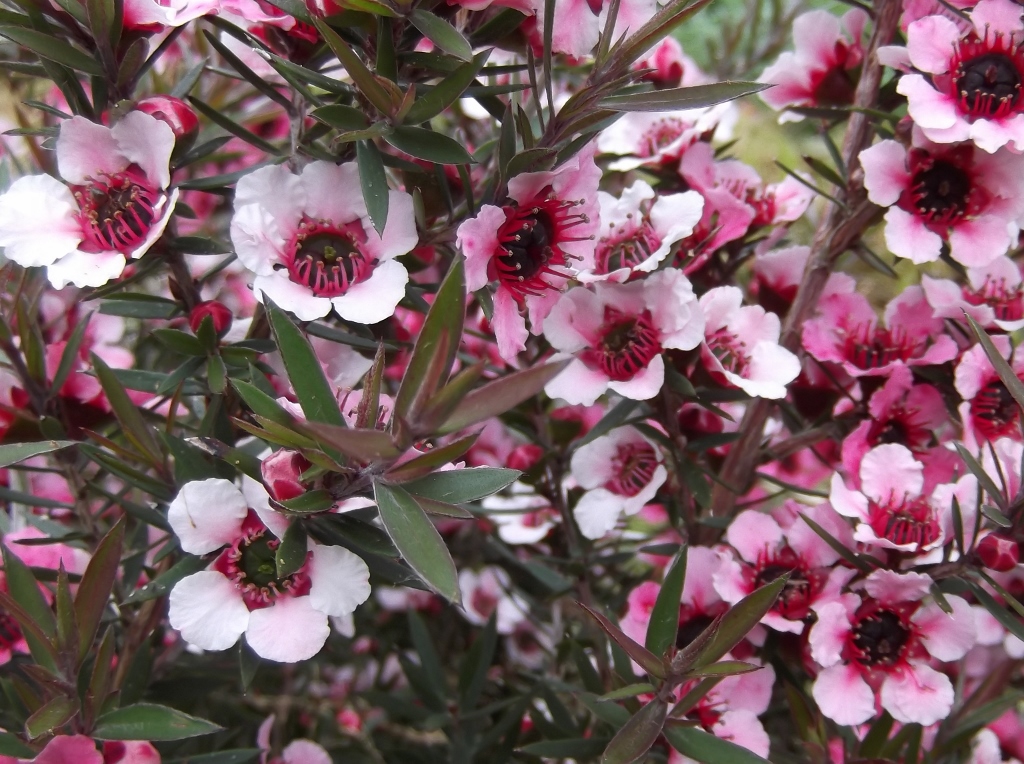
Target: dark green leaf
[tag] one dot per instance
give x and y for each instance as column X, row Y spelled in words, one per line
column 475, row 664
column 12, row 453
column 708, row 749
column 52, row 49
column 441, row 33
column 309, row 502
column 367, row 82
column 428, row 145
column 446, row 92
column 417, row 539
column 54, row 715
column 291, row 554
column 424, row 465
column 218, row 118
column 365, row 445
column 12, row 746
column 1013, row 385
column 345, row 118
column 502, row 395
column 148, row 721
column 643, row 657
column 135, row 427
column 345, row 530
column 739, row 620
column 629, row 691
column 664, row 621
column 374, row 183
column 637, row 735
column 163, row 583
column 576, row 748
column 984, row 479
column 97, row 582
column 671, row 99
column 463, row 485
column 69, row 357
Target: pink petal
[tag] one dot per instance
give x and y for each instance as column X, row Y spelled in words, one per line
column 344, row 203
column 148, row 142
column 829, row 633
column 890, row 471
column 976, row 243
column 208, row 610
column 645, row 384
column 843, row 696
column 930, row 43
column 947, row 636
column 928, row 107
column 509, row 326
column 753, row 533
column 577, row 385
column 69, row 749
column 305, row 752
column 890, row 587
column 477, row 238
column 918, row 694
column 87, row 150
column 907, row 236
column 290, row 630
column 885, row 172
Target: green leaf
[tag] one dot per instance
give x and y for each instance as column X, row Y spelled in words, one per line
column 365, row 80
column 52, row 49
column 442, row 34
column 629, row 691
column 374, row 183
column 443, row 509
column 345, row 530
column 664, row 622
column 708, row 749
column 838, row 546
column 314, row 392
column 434, row 353
column 424, row 465
column 234, row 756
column 475, row 664
column 55, row 714
column 502, row 395
column 219, row 119
column 637, row 735
column 984, row 479
column 345, row 118
column 291, row 554
column 417, row 539
column 69, row 357
column 365, row 445
column 657, row 28
column 1006, row 374
column 428, row 145
column 581, row 748
column 95, row 587
column 126, row 305
column 246, row 73
column 67, row 624
column 309, row 503
column 10, row 745
column 430, row 661
column 135, row 427
column 163, row 583
column 739, row 620
column 446, row 92
column 261, row 404
column 180, row 342
column 24, row 589
column 463, row 485
column 643, row 657
column 724, row 668
column 148, row 721
column 672, row 99
column 12, row 453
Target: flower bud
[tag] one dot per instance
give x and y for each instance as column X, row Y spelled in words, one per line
column 281, row 471
column 177, row 114
column 218, row 313
column 524, row 457
column 997, row 552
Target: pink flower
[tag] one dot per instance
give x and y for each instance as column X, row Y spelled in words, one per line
column 876, row 650
column 579, row 23
column 846, row 331
column 489, row 592
column 298, row 751
column 284, row 618
column 821, row 72
column 954, row 194
column 130, row 752
column 993, row 295
column 766, row 551
column 637, row 233
column 988, row 412
column 617, row 333
column 969, row 87
column 672, row 67
column 529, row 245
column 741, row 345
column 659, row 139
column 620, row 472
column 114, row 208
column 313, row 251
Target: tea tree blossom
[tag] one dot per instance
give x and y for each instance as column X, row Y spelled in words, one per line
column 532, row 245
column 617, row 333
column 116, row 203
column 988, row 411
column 283, row 617
column 993, row 295
column 313, row 251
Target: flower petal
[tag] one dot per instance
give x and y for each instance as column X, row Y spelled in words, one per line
column 207, row 514
column 340, row 580
column 208, row 610
column 290, row 630
column 918, row 694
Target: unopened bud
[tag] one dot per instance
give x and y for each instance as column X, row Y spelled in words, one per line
column 281, row 474
column 218, row 313
column 999, row 553
column 524, row 457
column 177, row 115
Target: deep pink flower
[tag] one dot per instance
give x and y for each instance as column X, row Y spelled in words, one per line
column 533, row 245
column 993, row 295
column 659, row 139
column 114, row 207
column 875, row 650
column 954, row 194
column 988, row 412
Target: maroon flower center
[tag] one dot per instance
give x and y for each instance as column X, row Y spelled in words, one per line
column 117, row 211
column 628, row 344
column 833, row 88
column 530, row 245
column 730, row 350
column 987, row 83
column 994, row 410
column 660, row 135
column 250, row 562
column 909, row 522
column 625, row 248
column 800, row 588
column 880, row 639
column 1005, row 301
column 634, row 465
column 329, row 258
column 10, row 632
column 940, row 192
column 868, row 348
column 691, row 628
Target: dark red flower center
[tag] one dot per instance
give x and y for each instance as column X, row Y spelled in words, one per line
column 329, row 258
column 660, row 136
column 729, row 349
column 988, row 83
column 626, row 247
column 1006, row 301
column 941, row 192
column 834, row 87
column 634, row 465
column 911, row 521
column 117, row 211
column 628, row 344
column 10, row 632
column 801, row 587
column 873, row 348
column 251, row 563
column 994, row 411
column 880, row 638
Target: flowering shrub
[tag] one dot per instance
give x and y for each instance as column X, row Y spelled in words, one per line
column 399, row 381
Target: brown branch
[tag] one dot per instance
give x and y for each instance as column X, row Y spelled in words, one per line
column 841, row 227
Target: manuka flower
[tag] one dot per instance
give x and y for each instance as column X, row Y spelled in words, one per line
column 988, row 412
column 993, row 295
column 617, row 333
column 939, row 194
column 968, row 82
column 310, row 242
column 284, row 618
column 115, row 205
column 532, row 245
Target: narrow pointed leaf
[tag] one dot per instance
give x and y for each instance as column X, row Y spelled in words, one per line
column 12, row 453
column 428, row 145
column 1003, row 369
column 463, row 485
column 365, row 445
column 364, row 79
column 95, row 587
column 664, row 621
column 291, row 554
column 672, row 99
column 131, row 419
column 740, row 619
column 417, row 539
column 374, row 183
column 148, row 721
column 502, row 395
column 441, row 33
column 446, row 92
column 24, row 589
column 637, row 735
column 644, row 658
column 425, row 465
column 52, row 49
column 54, row 715
column 706, row 748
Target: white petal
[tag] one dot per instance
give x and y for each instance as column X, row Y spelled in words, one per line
column 37, row 221
column 288, row 295
column 340, row 580
column 87, row 150
column 375, row 299
column 148, row 142
column 289, row 630
column 207, row 514
column 344, row 203
column 208, row 610
column 85, row 269
column 597, row 512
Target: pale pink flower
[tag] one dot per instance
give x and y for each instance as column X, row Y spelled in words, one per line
column 617, row 333
column 283, row 618
column 639, row 229
column 488, row 593
column 114, row 207
column 659, row 139
column 300, row 751
column 671, row 67
column 531, row 245
column 620, row 472
column 876, row 650
column 988, row 411
column 967, row 84
column 314, row 251
column 741, row 345
column 937, row 194
column 579, row 23
column 821, row 72
column 993, row 295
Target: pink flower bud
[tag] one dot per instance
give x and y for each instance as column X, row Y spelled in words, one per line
column 524, row 457
column 218, row 313
column 281, row 472
column 998, row 552
column 177, row 114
